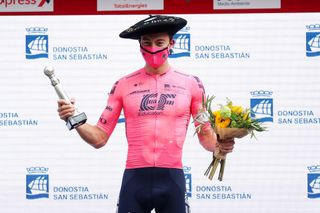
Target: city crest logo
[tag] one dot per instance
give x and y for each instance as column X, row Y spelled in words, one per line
column 313, row 40
column 37, row 183
column 182, row 46
column 261, row 105
column 37, row 43
column 314, row 182
column 188, row 177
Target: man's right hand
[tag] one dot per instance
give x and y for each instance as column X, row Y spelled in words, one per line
column 66, row 109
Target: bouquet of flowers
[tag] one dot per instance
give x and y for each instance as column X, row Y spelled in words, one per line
column 228, row 122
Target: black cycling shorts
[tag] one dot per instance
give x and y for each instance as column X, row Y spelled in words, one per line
column 145, row 189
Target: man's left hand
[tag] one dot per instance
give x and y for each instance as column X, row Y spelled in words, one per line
column 226, row 146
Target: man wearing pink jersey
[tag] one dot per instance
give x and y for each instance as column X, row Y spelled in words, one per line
column 158, row 102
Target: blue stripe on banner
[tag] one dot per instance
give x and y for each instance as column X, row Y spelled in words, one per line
column 121, row 120
column 177, row 55
column 313, row 195
column 43, row 55
column 31, row 197
column 313, row 54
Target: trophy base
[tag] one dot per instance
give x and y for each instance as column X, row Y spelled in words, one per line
column 76, row 120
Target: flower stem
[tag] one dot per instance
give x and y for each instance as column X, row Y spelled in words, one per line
column 210, row 166
column 214, row 168
column 222, row 165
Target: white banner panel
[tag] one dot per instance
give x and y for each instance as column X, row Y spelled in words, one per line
column 246, row 4
column 268, row 62
column 26, row 5
column 119, row 5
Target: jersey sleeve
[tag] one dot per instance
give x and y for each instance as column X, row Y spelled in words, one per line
column 111, row 113
column 198, row 92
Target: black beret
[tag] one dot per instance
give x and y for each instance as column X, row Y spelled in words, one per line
column 154, row 24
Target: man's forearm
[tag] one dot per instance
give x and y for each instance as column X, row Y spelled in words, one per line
column 93, row 135
column 207, row 138
column 208, row 142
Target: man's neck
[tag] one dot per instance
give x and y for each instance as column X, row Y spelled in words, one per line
column 160, row 70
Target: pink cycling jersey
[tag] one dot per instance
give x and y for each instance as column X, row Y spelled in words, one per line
column 157, row 111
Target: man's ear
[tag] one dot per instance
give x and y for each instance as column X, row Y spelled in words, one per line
column 172, row 43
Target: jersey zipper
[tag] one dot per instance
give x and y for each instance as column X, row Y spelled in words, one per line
column 156, row 122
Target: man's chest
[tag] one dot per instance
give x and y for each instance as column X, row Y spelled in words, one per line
column 157, row 97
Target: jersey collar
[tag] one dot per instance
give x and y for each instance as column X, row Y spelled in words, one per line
column 154, row 74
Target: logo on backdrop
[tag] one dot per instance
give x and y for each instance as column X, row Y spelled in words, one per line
column 119, row 5
column 37, row 46
column 219, row 51
column 314, row 181
column 261, row 105
column 37, row 186
column 313, row 40
column 188, row 177
column 182, row 46
column 26, row 5
column 245, row 4
column 37, row 183
column 12, row 119
column 37, row 43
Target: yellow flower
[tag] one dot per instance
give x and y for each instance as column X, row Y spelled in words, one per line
column 236, row 109
column 220, row 121
column 246, row 115
column 216, row 113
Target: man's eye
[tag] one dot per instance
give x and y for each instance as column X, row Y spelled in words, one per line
column 146, row 43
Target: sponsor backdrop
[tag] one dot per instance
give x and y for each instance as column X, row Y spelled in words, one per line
column 268, row 62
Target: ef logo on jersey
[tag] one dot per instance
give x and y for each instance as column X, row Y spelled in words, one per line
column 151, row 101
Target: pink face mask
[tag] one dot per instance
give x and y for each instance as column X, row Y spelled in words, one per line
column 154, row 56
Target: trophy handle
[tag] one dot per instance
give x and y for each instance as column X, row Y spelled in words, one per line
column 78, row 118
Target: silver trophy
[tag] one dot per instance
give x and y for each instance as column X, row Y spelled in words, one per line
column 78, row 118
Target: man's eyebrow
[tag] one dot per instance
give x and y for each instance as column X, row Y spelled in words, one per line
column 145, row 38
column 149, row 38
